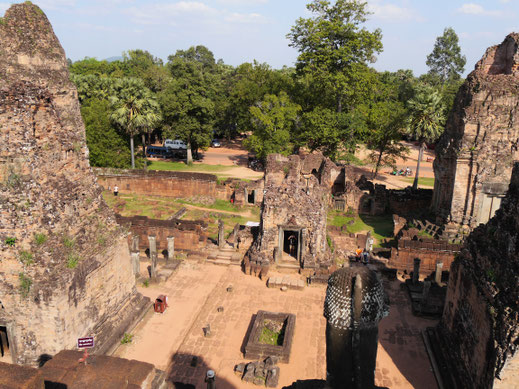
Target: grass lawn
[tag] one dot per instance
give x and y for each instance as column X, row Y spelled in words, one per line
column 181, row 166
column 163, row 208
column 422, row 181
column 338, row 219
column 381, row 227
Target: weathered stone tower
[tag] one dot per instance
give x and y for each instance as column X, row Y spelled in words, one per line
column 65, row 267
column 476, row 153
column 479, row 330
column 293, row 219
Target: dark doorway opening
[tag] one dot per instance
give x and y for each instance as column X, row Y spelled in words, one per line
column 291, row 243
column 5, row 354
column 251, row 197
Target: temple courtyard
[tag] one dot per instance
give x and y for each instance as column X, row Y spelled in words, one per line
column 223, row 297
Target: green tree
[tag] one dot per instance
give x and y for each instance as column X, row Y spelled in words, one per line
column 107, row 147
column 134, row 109
column 446, row 61
column 334, row 48
column 188, row 101
column 274, row 120
column 386, row 121
column 426, row 120
column 91, row 86
column 141, row 64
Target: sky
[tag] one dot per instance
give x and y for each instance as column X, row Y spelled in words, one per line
column 238, row 31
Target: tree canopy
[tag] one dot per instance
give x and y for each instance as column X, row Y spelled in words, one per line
column 446, row 61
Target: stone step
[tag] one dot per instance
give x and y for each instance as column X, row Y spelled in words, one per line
column 221, row 262
column 285, row 265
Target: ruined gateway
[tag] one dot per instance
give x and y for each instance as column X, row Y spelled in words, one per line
column 65, row 266
column 480, row 143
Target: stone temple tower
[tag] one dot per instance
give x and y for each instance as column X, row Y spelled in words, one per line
column 476, row 153
column 65, row 269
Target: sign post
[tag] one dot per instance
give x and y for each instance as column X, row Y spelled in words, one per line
column 85, row 343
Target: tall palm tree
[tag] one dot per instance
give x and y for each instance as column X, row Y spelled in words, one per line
column 425, row 121
column 134, row 108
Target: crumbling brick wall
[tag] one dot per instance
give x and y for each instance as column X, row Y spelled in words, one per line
column 480, row 322
column 163, row 183
column 76, row 279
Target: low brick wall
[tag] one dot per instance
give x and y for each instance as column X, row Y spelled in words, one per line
column 189, row 235
column 163, row 183
column 430, row 253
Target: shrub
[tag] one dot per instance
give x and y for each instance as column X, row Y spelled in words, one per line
column 10, row 241
column 40, row 238
column 26, row 257
column 68, row 242
column 72, row 261
column 25, row 284
column 127, row 338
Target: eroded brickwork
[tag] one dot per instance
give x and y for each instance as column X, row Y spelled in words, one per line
column 480, row 323
column 480, row 143
column 65, row 267
column 297, row 194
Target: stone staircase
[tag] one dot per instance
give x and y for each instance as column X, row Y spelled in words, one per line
column 225, row 256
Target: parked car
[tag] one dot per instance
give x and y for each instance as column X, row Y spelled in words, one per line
column 176, row 144
column 159, row 152
column 215, row 143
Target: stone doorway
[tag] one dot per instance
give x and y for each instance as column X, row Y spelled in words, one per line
column 250, row 196
column 290, row 243
column 5, row 352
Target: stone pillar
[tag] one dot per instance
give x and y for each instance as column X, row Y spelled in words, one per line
column 171, row 248
column 135, row 243
column 416, row 270
column 235, row 234
column 425, row 292
column 153, row 255
column 439, row 271
column 221, row 237
column 136, row 262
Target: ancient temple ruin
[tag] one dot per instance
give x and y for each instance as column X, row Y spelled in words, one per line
column 297, row 193
column 480, row 143
column 479, row 330
column 65, row 269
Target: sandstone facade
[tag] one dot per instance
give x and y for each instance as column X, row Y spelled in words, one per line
column 65, row 269
column 480, row 322
column 297, row 194
column 480, row 143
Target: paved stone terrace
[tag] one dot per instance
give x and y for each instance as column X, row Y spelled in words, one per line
column 195, row 291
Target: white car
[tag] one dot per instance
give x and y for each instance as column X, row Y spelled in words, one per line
column 176, row 144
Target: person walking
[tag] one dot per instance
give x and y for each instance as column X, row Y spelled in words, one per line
column 116, row 190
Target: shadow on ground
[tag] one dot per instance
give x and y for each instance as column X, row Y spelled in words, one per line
column 189, row 372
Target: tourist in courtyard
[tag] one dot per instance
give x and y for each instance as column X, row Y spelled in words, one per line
column 116, row 190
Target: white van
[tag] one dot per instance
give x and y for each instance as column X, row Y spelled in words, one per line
column 176, row 144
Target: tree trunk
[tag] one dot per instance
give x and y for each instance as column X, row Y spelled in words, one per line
column 377, row 166
column 132, row 150
column 420, row 156
column 189, row 159
column 144, row 150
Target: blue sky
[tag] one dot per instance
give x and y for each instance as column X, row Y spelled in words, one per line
column 240, row 31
